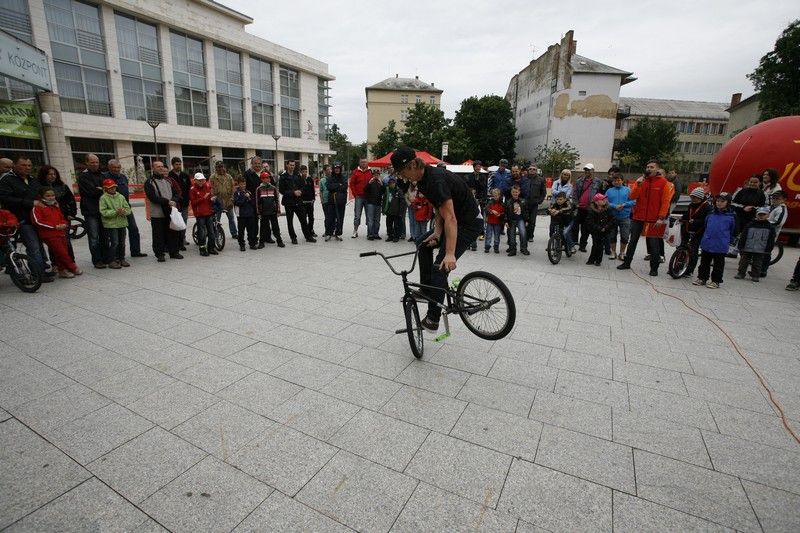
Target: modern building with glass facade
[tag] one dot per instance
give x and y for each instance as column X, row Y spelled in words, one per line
column 119, row 67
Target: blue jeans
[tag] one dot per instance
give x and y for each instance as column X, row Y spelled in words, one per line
column 231, row 222
column 359, row 205
column 98, row 239
column 411, row 223
column 33, row 247
column 514, row 227
column 373, row 219
column 117, row 237
column 133, row 235
column 492, row 235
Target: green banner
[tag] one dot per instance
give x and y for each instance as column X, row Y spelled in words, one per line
column 18, row 120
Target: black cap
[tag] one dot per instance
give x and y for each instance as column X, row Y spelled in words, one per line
column 401, row 156
column 337, row 164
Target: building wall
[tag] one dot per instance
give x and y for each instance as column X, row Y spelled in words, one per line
column 743, row 116
column 384, row 105
column 200, row 20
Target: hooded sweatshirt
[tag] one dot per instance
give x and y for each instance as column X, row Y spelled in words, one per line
column 719, row 231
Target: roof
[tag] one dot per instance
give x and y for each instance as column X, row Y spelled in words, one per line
column 750, row 99
column 218, row 6
column 652, row 107
column 585, row 65
column 409, row 84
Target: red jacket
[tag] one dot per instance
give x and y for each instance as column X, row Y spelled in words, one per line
column 497, row 207
column 201, row 200
column 652, row 197
column 46, row 218
column 358, row 180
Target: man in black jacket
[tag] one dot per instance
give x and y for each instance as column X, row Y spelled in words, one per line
column 290, row 185
column 90, row 186
column 337, row 188
column 182, row 178
column 536, row 195
column 18, row 193
column 252, row 180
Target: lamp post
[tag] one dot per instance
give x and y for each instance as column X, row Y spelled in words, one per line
column 276, row 137
column 154, row 124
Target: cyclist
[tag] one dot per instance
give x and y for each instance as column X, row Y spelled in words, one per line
column 457, row 224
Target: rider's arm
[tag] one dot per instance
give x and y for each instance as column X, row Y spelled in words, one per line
column 446, row 218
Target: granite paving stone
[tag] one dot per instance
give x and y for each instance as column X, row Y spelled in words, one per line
column 523, row 373
column 131, row 385
column 497, row 394
column 673, row 407
column 434, row 378
column 471, row 471
column 283, row 458
column 426, row 409
column 263, row 357
column 143, row 465
column 280, row 513
column 649, row 376
column 32, row 472
column 315, row 414
column 733, row 394
column 777, row 510
column 173, row 404
column 632, row 514
column 503, row 432
column 752, row 426
column 58, row 408
column 571, row 413
column 432, row 509
column 259, row 392
column 223, row 343
column 594, row 365
column 358, row 493
column 94, row 367
column 362, row 389
column 523, row 351
column 694, row 490
column 555, row 501
column 308, row 372
column 214, row 374
column 31, row 385
column 677, row 441
column 211, row 496
column 378, row 362
column 472, row 361
column 592, row 388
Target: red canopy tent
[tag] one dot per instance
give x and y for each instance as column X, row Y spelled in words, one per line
column 385, row 161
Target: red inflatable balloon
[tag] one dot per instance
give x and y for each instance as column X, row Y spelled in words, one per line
column 771, row 144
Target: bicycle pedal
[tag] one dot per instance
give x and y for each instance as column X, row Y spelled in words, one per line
column 440, row 338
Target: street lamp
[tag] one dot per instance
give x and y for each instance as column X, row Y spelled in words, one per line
column 276, row 137
column 154, row 124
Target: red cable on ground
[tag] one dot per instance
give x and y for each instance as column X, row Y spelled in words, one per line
column 761, row 379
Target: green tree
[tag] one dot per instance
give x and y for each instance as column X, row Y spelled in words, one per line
column 555, row 157
column 346, row 152
column 488, row 127
column 388, row 140
column 777, row 77
column 425, row 129
column 649, row 139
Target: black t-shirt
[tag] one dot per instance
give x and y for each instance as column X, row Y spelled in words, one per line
column 439, row 185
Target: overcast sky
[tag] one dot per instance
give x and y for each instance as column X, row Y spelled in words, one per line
column 689, row 50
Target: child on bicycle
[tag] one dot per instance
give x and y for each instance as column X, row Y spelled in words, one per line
column 561, row 212
column 244, row 206
column 777, row 217
column 200, row 196
column 517, row 219
column 755, row 245
column 718, row 235
column 51, row 228
column 268, row 207
column 495, row 212
column 114, row 211
column 599, row 221
column 692, row 225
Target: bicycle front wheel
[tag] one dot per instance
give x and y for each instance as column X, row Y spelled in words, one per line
column 26, row 279
column 777, row 253
column 413, row 326
column 485, row 305
column 554, row 246
column 678, row 263
column 219, row 238
column 194, row 233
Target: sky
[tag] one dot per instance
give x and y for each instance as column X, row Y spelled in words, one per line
column 684, row 50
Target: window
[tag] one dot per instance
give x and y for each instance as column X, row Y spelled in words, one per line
column 195, row 159
column 188, row 71
column 103, row 149
column 722, row 128
column 145, row 150
column 267, row 156
column 234, row 160
column 403, row 98
column 687, row 147
column 79, row 60
column 230, row 105
column 290, row 102
column 323, row 114
column 15, row 20
column 403, row 115
column 419, row 99
column 31, row 148
column 698, row 127
column 695, row 147
column 581, row 93
column 140, row 63
column 262, row 96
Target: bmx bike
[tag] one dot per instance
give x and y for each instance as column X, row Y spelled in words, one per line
column 481, row 299
column 556, row 245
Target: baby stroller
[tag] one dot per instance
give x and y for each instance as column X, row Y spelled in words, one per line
column 16, row 264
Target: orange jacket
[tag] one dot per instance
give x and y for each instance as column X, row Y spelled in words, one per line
column 653, row 197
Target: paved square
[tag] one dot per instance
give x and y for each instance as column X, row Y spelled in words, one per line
column 266, row 390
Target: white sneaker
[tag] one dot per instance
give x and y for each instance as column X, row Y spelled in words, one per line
column 698, row 281
column 355, row 235
column 647, row 257
column 713, row 285
column 612, row 256
column 662, row 259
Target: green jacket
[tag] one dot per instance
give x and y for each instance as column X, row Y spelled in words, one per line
column 108, row 210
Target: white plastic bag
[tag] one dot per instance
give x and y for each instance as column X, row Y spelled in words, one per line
column 176, row 222
column 673, row 234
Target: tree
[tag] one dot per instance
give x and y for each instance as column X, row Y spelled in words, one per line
column 555, row 157
column 388, row 140
column 488, row 127
column 649, row 139
column 425, row 129
column 777, row 77
column 346, row 152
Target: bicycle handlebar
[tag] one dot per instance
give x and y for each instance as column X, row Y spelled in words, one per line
column 387, row 258
column 367, row 254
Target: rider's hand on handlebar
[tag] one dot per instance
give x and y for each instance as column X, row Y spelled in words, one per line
column 432, row 240
column 448, row 264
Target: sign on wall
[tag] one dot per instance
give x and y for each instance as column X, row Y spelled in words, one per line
column 19, row 120
column 23, row 62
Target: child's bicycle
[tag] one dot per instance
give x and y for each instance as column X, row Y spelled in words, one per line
column 682, row 256
column 483, row 302
column 16, row 265
column 77, row 229
column 556, row 245
column 219, row 233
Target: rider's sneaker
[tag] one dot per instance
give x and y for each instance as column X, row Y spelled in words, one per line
column 428, row 324
column 699, row 282
column 713, row 285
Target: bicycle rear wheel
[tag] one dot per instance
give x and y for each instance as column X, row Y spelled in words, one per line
column 76, row 228
column 678, row 263
column 194, row 233
column 219, row 237
column 23, row 276
column 554, row 246
column 777, row 253
column 413, row 326
column 485, row 305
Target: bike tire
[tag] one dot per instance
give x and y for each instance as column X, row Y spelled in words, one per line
column 77, row 229
column 219, row 238
column 485, row 305
column 678, row 263
column 22, row 275
column 554, row 246
column 777, row 253
column 194, row 232
column 413, row 326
